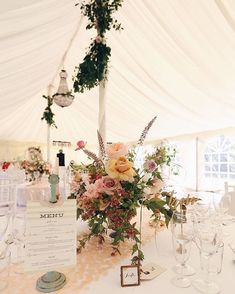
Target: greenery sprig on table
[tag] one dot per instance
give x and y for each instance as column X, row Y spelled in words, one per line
column 48, row 115
column 94, row 67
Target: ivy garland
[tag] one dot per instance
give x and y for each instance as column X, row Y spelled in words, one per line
column 48, row 115
column 94, row 67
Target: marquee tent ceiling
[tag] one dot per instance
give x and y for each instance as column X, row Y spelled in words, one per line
column 174, row 59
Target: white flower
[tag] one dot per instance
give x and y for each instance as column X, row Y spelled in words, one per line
column 166, row 206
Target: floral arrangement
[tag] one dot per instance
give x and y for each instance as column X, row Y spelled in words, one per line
column 5, row 165
column 94, row 67
column 111, row 189
column 34, row 165
column 48, row 115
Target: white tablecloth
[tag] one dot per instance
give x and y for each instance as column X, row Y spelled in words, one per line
column 163, row 256
column 110, row 282
column 37, row 192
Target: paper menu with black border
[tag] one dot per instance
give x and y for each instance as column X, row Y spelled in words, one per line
column 51, row 236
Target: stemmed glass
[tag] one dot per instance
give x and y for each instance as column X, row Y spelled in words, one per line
column 187, row 269
column 18, row 232
column 182, row 235
column 222, row 208
column 4, row 220
column 5, row 213
column 208, row 239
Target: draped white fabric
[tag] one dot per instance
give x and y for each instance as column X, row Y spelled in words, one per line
column 174, row 59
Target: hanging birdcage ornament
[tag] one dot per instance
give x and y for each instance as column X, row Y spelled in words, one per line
column 63, row 97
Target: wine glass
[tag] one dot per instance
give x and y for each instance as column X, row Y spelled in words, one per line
column 208, row 239
column 4, row 269
column 223, row 208
column 4, row 220
column 182, row 235
column 187, row 269
column 18, row 233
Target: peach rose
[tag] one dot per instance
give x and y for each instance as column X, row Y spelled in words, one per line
column 120, row 168
column 116, row 150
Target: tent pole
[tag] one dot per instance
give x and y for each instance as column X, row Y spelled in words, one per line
column 197, row 164
column 48, row 142
column 49, row 93
column 102, row 106
column 102, row 110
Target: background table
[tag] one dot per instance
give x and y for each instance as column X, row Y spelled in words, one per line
column 37, row 192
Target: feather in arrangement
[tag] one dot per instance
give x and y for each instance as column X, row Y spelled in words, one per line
column 93, row 156
column 145, row 131
column 101, row 146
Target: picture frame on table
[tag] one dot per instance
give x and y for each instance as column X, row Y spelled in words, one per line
column 130, row 275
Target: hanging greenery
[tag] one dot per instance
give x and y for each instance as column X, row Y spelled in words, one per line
column 48, row 115
column 94, row 67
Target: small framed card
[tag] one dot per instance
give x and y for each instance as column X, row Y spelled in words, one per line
column 130, row 275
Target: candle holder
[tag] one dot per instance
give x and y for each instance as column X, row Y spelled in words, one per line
column 52, row 280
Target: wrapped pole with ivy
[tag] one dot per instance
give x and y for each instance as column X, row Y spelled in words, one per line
column 93, row 70
column 48, row 115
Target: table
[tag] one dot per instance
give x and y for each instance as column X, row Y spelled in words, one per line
column 96, row 274
column 40, row 191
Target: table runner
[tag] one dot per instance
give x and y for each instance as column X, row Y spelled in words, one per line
column 93, row 262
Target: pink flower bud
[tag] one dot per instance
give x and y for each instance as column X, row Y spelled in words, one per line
column 81, row 144
column 98, row 39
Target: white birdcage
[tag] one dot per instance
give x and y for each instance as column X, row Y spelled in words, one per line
column 63, row 97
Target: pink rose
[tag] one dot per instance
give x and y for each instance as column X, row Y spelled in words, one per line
column 81, row 144
column 86, row 179
column 75, row 187
column 91, row 191
column 116, row 150
column 107, row 185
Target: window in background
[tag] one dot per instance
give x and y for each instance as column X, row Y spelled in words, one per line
column 219, row 158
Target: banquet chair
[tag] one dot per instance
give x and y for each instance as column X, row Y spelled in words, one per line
column 8, row 194
column 229, row 191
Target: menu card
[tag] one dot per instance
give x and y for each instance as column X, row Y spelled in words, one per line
column 50, row 235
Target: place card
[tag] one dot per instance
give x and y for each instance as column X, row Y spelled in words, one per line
column 50, row 235
column 151, row 271
column 130, row 275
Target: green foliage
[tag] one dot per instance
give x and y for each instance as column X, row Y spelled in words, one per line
column 48, row 115
column 94, row 67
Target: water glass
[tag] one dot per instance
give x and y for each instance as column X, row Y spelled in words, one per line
column 4, row 269
column 216, row 260
column 208, row 240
